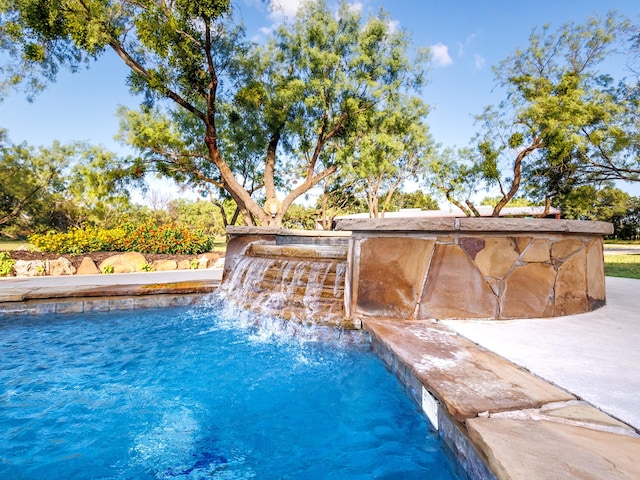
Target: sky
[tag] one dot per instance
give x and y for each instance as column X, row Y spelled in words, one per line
column 466, row 37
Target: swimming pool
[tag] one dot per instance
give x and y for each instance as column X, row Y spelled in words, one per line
column 200, row 393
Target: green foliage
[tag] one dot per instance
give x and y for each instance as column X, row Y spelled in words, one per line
column 417, row 199
column 607, row 204
column 145, row 238
column 146, row 267
column 6, row 264
column 171, row 239
column 58, row 187
column 561, row 123
column 81, row 240
column 108, row 269
column 514, row 202
column 201, row 215
column 220, row 112
column 300, row 217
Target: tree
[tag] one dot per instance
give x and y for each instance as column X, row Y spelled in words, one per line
column 453, row 174
column 200, row 215
column 396, row 148
column 339, row 197
column 607, row 204
column 30, row 182
column 559, row 115
column 323, row 73
column 58, row 186
column 417, row 199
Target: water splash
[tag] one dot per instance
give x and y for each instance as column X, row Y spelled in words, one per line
column 309, row 290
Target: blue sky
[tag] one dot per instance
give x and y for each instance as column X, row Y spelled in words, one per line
column 466, row 37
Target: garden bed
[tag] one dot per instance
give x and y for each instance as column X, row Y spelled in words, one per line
column 97, row 257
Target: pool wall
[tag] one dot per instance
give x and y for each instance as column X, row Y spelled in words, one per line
column 469, row 463
column 444, row 268
column 48, row 306
column 466, row 268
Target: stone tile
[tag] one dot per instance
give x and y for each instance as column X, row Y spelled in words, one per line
column 495, row 285
column 455, row 288
column 530, row 449
column 465, row 378
column 151, row 301
column 528, row 292
column 497, row 257
column 538, row 251
column 583, row 413
column 571, row 286
column 390, row 276
column 126, row 303
column 70, row 307
column 595, row 271
column 435, row 224
column 563, row 248
column 97, row 305
column 13, row 295
column 521, row 243
column 472, row 245
column 446, row 239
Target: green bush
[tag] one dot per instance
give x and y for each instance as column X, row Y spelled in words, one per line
column 77, row 241
column 6, row 264
column 169, row 238
column 146, row 238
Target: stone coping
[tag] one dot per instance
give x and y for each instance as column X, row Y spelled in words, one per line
column 314, row 252
column 239, row 230
column 489, row 409
column 474, row 225
column 41, row 295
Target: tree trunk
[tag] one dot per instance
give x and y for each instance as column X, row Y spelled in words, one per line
column 517, row 176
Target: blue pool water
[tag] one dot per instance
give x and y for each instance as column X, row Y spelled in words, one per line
column 192, row 393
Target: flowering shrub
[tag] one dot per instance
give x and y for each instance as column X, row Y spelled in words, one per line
column 146, row 238
column 78, row 240
column 169, row 238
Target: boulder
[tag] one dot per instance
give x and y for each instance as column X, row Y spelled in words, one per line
column 29, row 268
column 164, row 265
column 125, row 263
column 219, row 263
column 87, row 267
column 184, row 265
column 61, row 266
column 207, row 260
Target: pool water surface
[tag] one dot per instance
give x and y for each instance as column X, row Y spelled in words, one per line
column 201, row 393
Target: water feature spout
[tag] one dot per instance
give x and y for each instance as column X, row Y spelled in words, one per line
column 299, row 281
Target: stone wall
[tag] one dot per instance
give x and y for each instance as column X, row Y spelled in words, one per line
column 492, row 268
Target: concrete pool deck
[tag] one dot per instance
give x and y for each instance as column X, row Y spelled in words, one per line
column 542, row 398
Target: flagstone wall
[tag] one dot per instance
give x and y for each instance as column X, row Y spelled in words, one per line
column 494, row 268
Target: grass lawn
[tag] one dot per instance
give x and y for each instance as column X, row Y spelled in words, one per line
column 626, row 266
column 13, row 244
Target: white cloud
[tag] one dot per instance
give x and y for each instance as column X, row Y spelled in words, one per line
column 283, row 9
column 440, row 53
column 393, row 25
column 462, row 47
column 356, row 6
column 478, row 61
